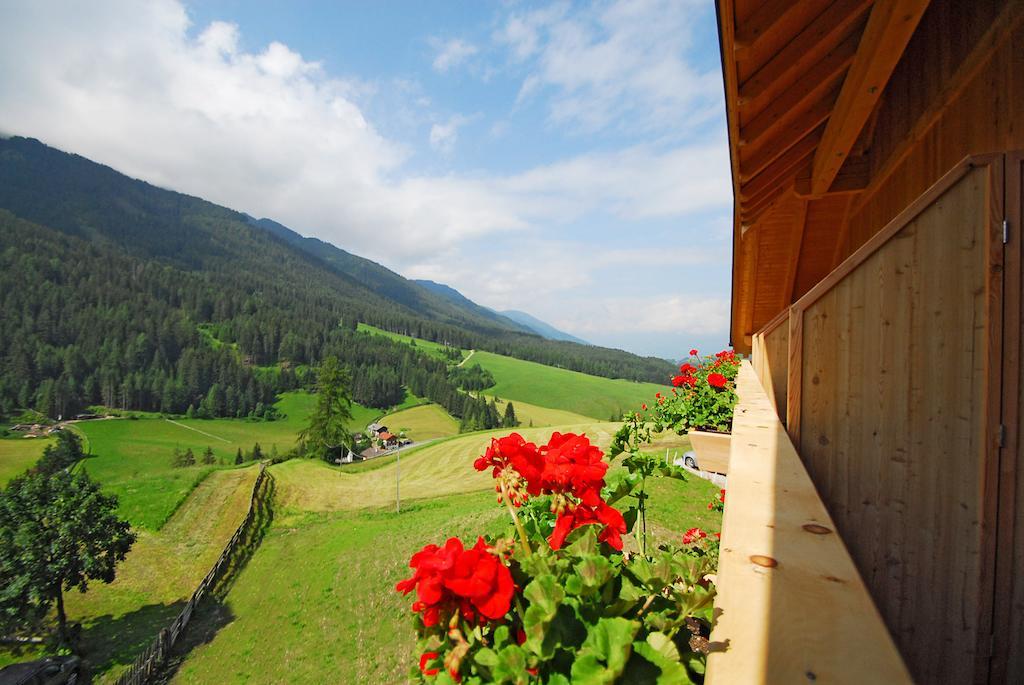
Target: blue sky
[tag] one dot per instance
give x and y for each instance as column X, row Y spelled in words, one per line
column 565, row 159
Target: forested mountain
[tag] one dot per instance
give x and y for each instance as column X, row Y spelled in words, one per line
column 463, row 303
column 114, row 291
column 539, row 327
column 426, row 298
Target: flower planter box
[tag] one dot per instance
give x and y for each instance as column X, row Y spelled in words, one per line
column 712, row 450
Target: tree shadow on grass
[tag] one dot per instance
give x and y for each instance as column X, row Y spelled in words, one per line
column 111, row 642
column 212, row 613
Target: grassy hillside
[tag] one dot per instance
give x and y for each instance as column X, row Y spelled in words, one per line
column 530, row 415
column 158, row 576
column 546, row 386
column 435, row 470
column 425, row 422
column 318, row 597
column 132, row 458
column 18, row 454
column 432, row 348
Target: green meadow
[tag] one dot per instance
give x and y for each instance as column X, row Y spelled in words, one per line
column 432, row 348
column 546, row 386
column 317, row 602
column 18, row 454
column 426, row 422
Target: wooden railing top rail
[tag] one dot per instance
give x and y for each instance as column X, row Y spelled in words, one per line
column 791, row 605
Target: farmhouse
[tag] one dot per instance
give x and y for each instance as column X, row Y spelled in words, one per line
column 875, row 531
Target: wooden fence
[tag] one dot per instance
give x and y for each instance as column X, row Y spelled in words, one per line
column 149, row 662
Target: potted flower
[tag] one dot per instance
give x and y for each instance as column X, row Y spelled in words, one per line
column 561, row 598
column 701, row 405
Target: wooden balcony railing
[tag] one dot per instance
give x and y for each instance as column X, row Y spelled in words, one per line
column 791, row 607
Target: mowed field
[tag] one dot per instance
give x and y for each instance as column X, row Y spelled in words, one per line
column 317, row 602
column 580, row 393
column 133, row 458
column 426, row 422
column 439, row 469
column 18, row 454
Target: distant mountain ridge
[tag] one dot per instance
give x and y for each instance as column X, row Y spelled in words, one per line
column 271, row 293
column 542, row 328
column 521, row 320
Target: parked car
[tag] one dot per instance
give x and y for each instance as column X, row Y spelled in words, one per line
column 689, row 460
column 53, row 670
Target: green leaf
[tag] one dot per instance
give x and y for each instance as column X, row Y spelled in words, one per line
column 544, row 638
column 672, row 672
column 630, row 516
column 605, row 652
column 545, row 594
column 585, row 544
column 486, row 657
column 595, row 571
column 511, row 666
column 587, row 670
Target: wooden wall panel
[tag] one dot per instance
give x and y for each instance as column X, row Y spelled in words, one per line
column 770, row 358
column 822, row 231
column 986, row 115
column 892, row 420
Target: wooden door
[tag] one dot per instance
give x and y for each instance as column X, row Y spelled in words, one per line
column 1007, row 664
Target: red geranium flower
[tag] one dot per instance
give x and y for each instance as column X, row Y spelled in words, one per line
column 424, row 659
column 472, row 581
column 717, row 380
column 658, row 395
column 693, row 535
column 573, row 466
column 514, row 452
column 582, row 515
column 693, row 353
column 687, row 369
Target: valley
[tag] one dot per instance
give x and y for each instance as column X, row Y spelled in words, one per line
column 205, row 363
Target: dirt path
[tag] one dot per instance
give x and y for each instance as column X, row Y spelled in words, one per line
column 468, row 357
column 209, row 435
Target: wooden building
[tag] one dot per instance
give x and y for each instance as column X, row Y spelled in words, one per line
column 877, row 173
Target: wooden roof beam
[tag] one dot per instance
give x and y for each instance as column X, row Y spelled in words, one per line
column 774, row 16
column 809, row 88
column 784, row 167
column 805, row 50
column 852, row 179
column 766, row 202
column 889, row 28
column 769, row 150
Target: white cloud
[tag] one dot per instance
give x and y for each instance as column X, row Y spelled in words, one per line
column 667, row 314
column 620, row 65
column 270, row 132
column 451, row 53
column 443, row 136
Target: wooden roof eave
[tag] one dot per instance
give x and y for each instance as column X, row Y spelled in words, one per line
column 725, row 12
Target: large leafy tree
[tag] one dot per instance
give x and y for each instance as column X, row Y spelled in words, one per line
column 327, row 433
column 58, row 532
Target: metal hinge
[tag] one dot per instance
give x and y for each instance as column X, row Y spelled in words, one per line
column 1006, row 231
